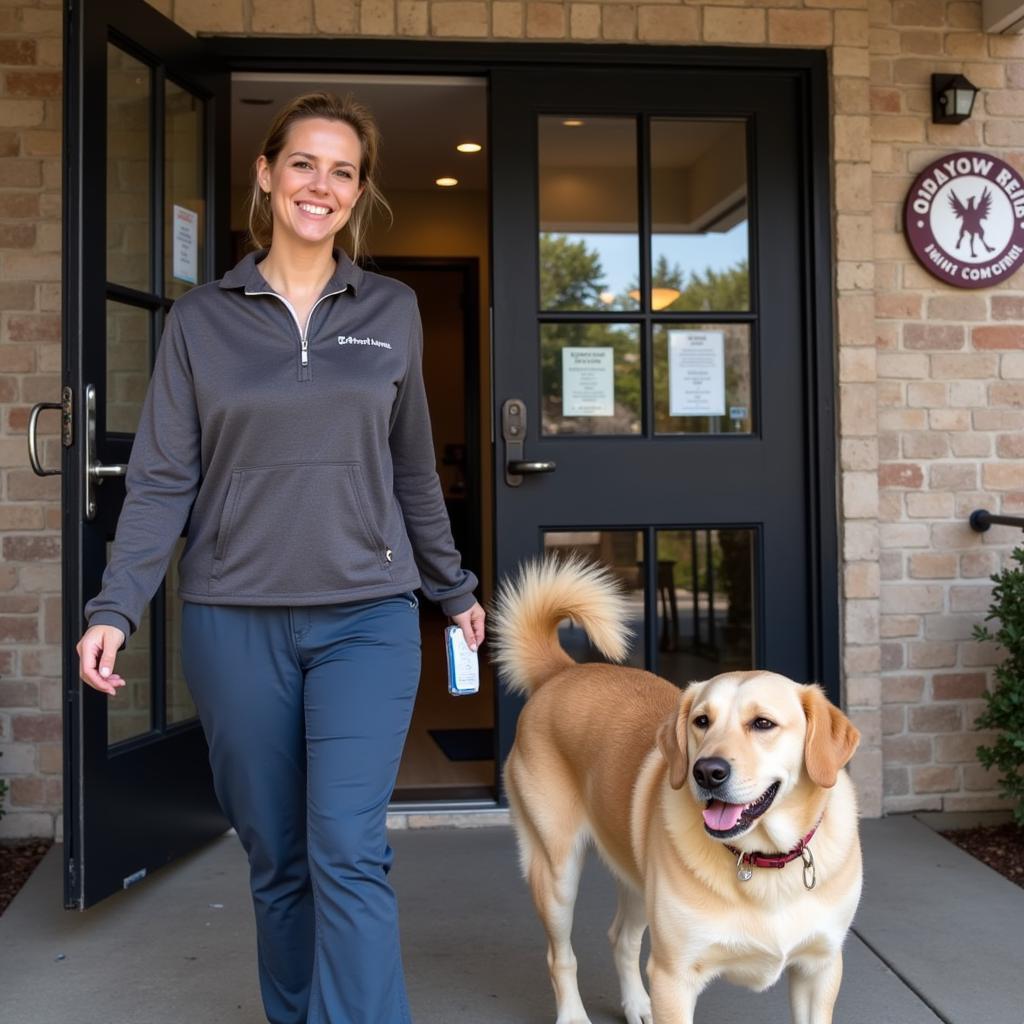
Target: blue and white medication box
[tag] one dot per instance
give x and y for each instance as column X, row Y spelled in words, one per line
column 463, row 665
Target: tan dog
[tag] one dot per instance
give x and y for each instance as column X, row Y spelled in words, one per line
column 664, row 782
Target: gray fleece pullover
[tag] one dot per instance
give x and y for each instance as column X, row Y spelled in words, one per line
column 306, row 460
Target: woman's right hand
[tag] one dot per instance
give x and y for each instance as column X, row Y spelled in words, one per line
column 96, row 653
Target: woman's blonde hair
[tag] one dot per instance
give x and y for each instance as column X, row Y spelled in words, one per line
column 332, row 107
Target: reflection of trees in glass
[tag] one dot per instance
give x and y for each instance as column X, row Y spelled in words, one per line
column 571, row 276
column 721, row 291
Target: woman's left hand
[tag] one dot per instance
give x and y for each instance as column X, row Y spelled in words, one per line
column 471, row 622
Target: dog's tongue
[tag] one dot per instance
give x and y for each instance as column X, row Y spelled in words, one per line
column 722, row 816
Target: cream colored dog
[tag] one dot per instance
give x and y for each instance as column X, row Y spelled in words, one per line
column 701, row 803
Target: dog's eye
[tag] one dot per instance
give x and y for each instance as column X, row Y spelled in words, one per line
column 701, row 721
column 763, row 724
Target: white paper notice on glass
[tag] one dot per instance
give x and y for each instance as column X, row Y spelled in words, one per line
column 696, row 373
column 588, row 381
column 185, row 231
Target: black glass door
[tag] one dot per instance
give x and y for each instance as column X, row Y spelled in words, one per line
column 145, row 214
column 659, row 362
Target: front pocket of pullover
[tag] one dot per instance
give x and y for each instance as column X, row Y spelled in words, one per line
column 298, row 528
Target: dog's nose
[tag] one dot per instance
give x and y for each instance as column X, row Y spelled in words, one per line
column 711, row 772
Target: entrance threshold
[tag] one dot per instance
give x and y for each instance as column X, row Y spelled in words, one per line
column 446, row 814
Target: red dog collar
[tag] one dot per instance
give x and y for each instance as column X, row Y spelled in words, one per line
column 776, row 860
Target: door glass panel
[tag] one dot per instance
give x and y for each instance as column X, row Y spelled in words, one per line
column 180, row 706
column 128, row 362
column 589, row 249
column 590, row 378
column 128, row 714
column 699, row 248
column 702, row 376
column 622, row 551
column 184, row 196
column 128, row 170
column 705, row 603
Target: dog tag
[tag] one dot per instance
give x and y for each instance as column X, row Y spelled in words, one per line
column 743, row 871
column 808, row 861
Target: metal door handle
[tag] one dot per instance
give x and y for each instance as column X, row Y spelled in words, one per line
column 33, row 452
column 513, row 432
column 95, row 471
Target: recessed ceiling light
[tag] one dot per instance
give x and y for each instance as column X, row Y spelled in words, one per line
column 446, row 182
column 256, row 101
column 469, row 147
column 572, row 122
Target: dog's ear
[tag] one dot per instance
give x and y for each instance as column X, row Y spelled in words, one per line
column 672, row 739
column 831, row 737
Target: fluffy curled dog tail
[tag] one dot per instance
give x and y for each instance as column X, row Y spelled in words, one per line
column 527, row 609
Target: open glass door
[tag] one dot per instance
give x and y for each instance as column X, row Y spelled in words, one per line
column 661, row 401
column 146, row 218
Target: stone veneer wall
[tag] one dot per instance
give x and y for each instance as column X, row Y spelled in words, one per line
column 931, row 380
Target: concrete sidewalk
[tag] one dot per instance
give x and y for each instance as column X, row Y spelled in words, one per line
column 938, row 937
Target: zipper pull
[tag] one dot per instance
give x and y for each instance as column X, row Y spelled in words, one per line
column 305, row 352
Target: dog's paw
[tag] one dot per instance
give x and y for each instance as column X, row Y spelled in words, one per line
column 573, row 1020
column 638, row 1011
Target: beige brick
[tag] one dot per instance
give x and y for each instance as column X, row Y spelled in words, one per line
column 618, row 22
column 858, row 410
column 923, row 444
column 860, row 580
column 857, row 364
column 337, row 17
column 906, row 749
column 458, row 18
column 668, row 23
column 961, row 747
column 851, row 28
column 861, row 621
column 852, row 137
column 413, row 17
column 859, row 453
column 936, row 718
column 975, row 598
column 997, row 419
column 507, row 19
column 978, row 778
column 854, row 241
column 800, row 28
column 935, row 779
column 284, row 17
column 377, row 17
column 861, row 659
column 933, row 565
column 931, row 654
column 929, row 506
column 903, row 365
column 21, row 113
column 852, row 61
column 958, row 366
column 906, row 689
column 1011, row 366
column 904, row 535
column 545, row 20
column 585, row 21
column 864, row 692
column 902, row 475
column 861, row 541
column 732, row 25
column 210, row 15
column 860, row 495
column 912, row 597
column 978, row 563
column 894, row 627
column 897, row 305
column 969, row 394
column 1008, row 307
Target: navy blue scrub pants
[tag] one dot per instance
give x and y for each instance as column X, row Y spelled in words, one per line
column 306, row 709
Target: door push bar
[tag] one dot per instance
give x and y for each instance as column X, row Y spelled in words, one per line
column 513, row 433
column 981, row 519
column 95, row 471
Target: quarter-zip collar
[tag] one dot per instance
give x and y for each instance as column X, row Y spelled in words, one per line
column 246, row 274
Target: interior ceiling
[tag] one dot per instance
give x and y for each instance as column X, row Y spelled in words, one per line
column 421, row 119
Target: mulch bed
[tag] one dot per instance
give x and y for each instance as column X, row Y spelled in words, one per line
column 18, row 859
column 1001, row 847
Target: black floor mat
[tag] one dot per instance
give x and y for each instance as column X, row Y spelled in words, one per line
column 465, row 744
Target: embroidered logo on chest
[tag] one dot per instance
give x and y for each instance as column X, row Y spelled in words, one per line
column 347, row 339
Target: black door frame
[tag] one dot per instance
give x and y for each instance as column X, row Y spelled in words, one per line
column 808, row 69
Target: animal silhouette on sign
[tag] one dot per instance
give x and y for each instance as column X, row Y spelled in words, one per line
column 971, row 214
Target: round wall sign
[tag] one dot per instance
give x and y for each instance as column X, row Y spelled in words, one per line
column 964, row 218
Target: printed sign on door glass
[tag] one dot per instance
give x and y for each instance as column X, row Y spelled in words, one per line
column 588, row 382
column 186, row 234
column 696, row 373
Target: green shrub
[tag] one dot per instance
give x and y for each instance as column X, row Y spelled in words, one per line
column 1005, row 711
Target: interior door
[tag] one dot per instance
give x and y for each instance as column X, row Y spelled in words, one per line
column 662, row 368
column 145, row 214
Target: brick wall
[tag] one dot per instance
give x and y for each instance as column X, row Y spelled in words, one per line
column 931, row 380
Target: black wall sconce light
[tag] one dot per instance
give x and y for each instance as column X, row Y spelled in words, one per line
column 952, row 99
